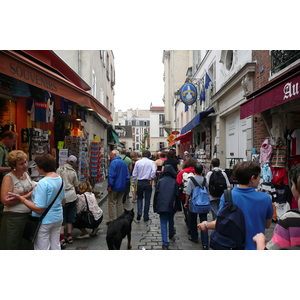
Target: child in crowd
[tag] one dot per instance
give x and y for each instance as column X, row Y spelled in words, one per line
column 287, row 230
column 166, row 203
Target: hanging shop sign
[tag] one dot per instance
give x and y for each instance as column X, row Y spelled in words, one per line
column 188, row 93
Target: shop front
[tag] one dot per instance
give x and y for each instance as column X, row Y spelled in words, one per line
column 47, row 110
column 278, row 104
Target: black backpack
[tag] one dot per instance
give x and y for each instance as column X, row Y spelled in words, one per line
column 217, row 183
column 230, row 231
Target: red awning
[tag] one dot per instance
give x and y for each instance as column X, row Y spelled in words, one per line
column 282, row 92
column 184, row 138
column 22, row 68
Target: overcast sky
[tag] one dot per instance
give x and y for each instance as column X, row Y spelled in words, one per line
column 139, row 78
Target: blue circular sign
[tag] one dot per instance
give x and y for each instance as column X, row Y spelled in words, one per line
column 188, row 93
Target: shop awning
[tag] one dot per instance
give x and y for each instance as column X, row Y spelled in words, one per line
column 271, row 96
column 24, row 69
column 170, row 144
column 195, row 121
column 184, row 138
column 116, row 138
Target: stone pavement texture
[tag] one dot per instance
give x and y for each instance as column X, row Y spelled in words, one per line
column 145, row 235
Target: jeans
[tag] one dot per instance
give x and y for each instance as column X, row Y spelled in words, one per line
column 166, row 218
column 194, row 229
column 144, row 189
column 214, row 206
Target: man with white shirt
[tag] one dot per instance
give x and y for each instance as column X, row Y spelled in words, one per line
column 144, row 172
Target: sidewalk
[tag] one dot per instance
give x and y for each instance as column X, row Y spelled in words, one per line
column 144, row 235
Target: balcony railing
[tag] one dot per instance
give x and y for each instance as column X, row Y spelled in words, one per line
column 282, row 58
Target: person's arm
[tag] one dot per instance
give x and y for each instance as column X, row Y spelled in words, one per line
column 205, row 226
column 5, row 169
column 13, row 197
column 268, row 223
column 260, row 241
column 7, row 186
column 187, row 198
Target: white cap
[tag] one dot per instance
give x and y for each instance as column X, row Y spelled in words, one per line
column 186, row 152
column 72, row 159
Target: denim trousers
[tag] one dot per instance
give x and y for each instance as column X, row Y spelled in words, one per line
column 194, row 229
column 144, row 191
column 166, row 218
column 214, row 207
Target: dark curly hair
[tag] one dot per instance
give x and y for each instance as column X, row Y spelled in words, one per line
column 46, row 162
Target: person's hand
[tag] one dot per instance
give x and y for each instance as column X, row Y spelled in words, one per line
column 260, row 240
column 202, row 227
column 12, row 196
column 185, row 205
column 109, row 189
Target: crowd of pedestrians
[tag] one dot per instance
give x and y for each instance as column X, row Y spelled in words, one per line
column 134, row 176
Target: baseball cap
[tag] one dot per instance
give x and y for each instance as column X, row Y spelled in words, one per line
column 72, row 159
column 186, row 152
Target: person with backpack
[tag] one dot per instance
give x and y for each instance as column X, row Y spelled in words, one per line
column 191, row 189
column 217, row 182
column 166, row 204
column 182, row 180
column 256, row 208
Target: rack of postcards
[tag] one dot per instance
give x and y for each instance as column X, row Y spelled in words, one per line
column 97, row 162
column 77, row 146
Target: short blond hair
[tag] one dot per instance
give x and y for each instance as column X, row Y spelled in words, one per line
column 85, row 186
column 14, row 156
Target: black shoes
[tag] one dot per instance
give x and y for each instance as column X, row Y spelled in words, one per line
column 138, row 217
column 194, row 241
column 165, row 247
column 205, row 247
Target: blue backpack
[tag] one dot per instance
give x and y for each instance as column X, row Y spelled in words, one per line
column 200, row 203
column 230, row 231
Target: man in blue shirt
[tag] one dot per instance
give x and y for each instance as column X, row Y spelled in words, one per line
column 144, row 172
column 118, row 178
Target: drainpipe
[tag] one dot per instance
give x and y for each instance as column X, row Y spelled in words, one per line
column 79, row 63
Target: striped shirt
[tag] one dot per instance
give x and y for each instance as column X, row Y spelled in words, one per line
column 286, row 232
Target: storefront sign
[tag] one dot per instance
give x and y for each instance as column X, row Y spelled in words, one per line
column 279, row 94
column 188, row 93
column 290, row 90
column 30, row 77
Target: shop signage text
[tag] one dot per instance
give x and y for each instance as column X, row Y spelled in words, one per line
column 30, row 77
column 290, row 90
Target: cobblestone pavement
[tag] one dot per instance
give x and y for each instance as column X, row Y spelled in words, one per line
column 145, row 235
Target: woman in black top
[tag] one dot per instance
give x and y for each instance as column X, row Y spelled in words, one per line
column 172, row 160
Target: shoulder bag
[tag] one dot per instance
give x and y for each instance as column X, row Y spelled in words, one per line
column 85, row 219
column 33, row 224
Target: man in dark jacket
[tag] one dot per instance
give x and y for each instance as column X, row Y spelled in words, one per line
column 166, row 202
column 118, row 178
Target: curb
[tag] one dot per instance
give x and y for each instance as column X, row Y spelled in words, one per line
column 103, row 199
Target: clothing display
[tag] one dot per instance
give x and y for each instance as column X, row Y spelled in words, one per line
column 265, row 151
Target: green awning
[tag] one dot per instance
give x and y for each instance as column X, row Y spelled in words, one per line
column 116, row 138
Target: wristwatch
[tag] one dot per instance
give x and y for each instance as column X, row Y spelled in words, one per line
column 205, row 224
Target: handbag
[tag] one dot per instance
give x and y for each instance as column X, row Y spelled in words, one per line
column 85, row 219
column 33, row 224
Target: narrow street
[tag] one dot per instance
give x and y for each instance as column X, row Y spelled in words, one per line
column 145, row 235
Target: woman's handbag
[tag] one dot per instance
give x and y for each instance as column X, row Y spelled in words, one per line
column 85, row 219
column 33, row 224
